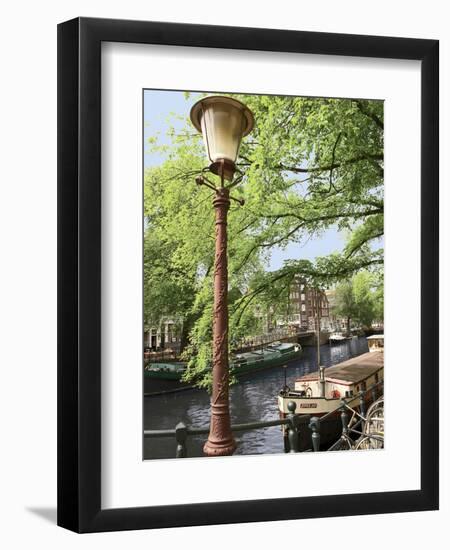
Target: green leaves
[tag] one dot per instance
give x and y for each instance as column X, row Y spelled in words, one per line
column 309, row 164
column 360, row 298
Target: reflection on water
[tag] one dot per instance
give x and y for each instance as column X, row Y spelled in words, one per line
column 253, row 399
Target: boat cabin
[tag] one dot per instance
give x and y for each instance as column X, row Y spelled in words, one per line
column 376, row 342
column 320, row 392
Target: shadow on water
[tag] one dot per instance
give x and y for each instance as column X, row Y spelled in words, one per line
column 253, row 399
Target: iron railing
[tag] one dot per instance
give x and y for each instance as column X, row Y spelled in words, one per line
column 350, row 425
column 295, row 426
column 181, row 432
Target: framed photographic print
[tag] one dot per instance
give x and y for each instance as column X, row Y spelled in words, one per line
column 244, row 216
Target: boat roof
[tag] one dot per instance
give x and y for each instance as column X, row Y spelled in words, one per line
column 166, row 366
column 281, row 345
column 375, row 337
column 352, row 371
column 255, row 354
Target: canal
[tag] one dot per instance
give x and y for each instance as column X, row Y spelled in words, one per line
column 252, row 400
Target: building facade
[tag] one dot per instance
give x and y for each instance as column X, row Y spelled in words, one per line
column 164, row 336
column 306, row 304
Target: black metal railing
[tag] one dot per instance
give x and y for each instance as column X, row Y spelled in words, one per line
column 181, row 432
column 296, row 425
column 349, row 426
column 168, row 355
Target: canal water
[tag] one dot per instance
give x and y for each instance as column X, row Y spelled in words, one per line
column 253, row 399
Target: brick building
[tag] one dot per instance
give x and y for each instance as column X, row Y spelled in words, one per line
column 305, row 302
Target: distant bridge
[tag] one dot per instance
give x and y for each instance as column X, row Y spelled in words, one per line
column 304, row 337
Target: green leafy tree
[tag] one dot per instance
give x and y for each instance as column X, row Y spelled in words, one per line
column 346, row 306
column 309, row 164
column 360, row 299
column 378, row 297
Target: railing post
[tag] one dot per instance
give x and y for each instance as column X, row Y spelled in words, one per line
column 293, row 428
column 181, row 436
column 314, row 426
column 374, row 393
column 344, row 420
column 286, row 438
column 362, row 409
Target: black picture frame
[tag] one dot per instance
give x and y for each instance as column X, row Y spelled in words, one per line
column 79, row 274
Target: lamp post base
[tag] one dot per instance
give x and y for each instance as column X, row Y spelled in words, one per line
column 220, row 440
column 221, row 448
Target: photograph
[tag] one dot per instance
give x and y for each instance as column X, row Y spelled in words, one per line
column 244, row 213
column 263, row 274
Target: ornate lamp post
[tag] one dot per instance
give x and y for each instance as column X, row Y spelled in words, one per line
column 223, row 121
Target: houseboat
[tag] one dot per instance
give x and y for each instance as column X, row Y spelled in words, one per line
column 164, row 377
column 167, row 377
column 321, row 393
column 273, row 355
column 376, row 342
column 337, row 338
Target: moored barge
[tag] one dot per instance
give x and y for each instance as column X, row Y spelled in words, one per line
column 167, row 377
column 321, row 393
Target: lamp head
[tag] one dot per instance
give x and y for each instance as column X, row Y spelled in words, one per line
column 223, row 121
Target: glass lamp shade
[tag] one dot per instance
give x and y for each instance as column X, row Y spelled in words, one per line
column 223, row 121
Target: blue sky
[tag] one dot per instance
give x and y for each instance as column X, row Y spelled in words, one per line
column 158, row 106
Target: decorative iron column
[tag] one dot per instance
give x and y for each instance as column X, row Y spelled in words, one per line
column 223, row 122
column 220, row 440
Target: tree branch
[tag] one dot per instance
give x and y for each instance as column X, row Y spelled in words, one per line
column 358, row 214
column 363, row 242
column 359, row 158
column 300, row 225
column 332, row 163
column 338, row 274
column 367, row 113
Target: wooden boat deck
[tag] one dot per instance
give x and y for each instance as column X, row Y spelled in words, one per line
column 352, row 371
